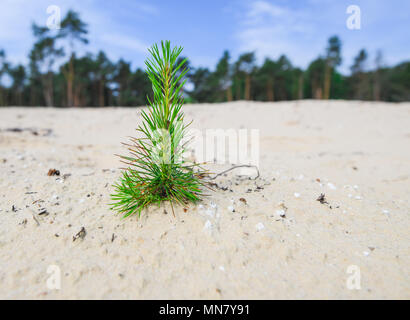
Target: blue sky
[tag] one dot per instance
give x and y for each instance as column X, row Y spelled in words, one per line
column 299, row 29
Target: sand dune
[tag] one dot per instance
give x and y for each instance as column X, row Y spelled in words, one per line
column 281, row 243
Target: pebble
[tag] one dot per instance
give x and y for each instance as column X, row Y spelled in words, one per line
column 211, row 210
column 208, row 225
column 366, row 253
column 358, row 198
column 296, row 194
column 231, row 208
column 386, row 211
column 260, row 226
column 331, row 186
column 281, row 213
column 222, row 268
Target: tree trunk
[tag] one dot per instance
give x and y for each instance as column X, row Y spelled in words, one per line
column 20, row 98
column 101, row 93
column 328, row 73
column 32, row 95
column 110, row 98
column 313, row 89
column 229, row 94
column 70, row 82
column 269, row 90
column 300, row 88
column 248, row 87
column 238, row 88
column 376, row 86
column 318, row 93
column 77, row 96
column 47, row 81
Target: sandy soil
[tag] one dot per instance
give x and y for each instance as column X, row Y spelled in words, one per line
column 356, row 153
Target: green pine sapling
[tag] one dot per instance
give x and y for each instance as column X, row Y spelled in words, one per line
column 156, row 170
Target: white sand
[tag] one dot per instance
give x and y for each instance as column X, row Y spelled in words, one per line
column 250, row 253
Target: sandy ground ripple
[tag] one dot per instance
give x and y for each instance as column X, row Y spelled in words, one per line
column 281, row 243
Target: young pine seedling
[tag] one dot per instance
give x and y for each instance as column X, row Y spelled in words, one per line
column 156, row 170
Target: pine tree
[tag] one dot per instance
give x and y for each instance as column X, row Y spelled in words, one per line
column 156, row 169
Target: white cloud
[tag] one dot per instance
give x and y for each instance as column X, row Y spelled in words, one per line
column 263, row 8
column 301, row 31
column 107, row 30
column 124, row 42
column 271, row 30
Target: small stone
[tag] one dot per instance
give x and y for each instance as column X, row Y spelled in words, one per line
column 281, row 213
column 331, row 186
column 260, row 226
column 208, row 225
column 42, row 211
column 297, row 195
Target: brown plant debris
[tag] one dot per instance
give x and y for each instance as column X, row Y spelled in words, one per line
column 322, row 199
column 80, row 234
column 243, row 200
column 53, row 172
